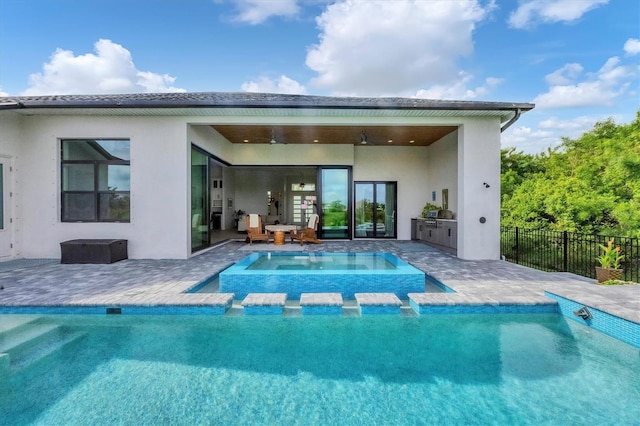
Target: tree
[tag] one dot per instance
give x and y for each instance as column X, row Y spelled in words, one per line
column 590, row 184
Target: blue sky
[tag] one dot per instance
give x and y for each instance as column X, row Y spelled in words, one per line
column 577, row 60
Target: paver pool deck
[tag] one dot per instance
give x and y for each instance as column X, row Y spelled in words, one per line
column 164, row 282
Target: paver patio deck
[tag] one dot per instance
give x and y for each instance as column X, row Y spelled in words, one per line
column 163, row 282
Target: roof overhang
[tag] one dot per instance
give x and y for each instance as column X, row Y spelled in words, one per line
column 257, row 107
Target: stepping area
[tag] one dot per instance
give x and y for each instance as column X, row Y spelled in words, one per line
column 264, row 303
column 378, row 303
column 321, row 303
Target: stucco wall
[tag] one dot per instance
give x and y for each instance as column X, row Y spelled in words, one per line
column 442, row 168
column 252, row 186
column 479, row 163
column 158, row 185
column 405, row 165
column 207, row 138
column 10, row 137
column 287, row 155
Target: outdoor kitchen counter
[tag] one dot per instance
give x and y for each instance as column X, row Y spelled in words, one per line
column 440, row 233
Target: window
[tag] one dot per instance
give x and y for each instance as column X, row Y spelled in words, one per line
column 95, row 180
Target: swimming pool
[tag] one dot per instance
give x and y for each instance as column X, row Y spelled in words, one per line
column 433, row 369
column 297, row 273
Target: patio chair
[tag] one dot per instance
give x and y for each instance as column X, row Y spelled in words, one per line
column 254, row 229
column 308, row 234
column 198, row 225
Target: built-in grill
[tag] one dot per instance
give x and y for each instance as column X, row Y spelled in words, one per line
column 433, row 215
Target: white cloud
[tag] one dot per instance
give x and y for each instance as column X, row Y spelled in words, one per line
column 390, row 48
column 570, row 127
column 564, row 75
column 548, row 133
column 600, row 89
column 282, row 85
column 458, row 90
column 533, row 12
column 3, row 93
column 257, row 11
column 632, row 46
column 109, row 70
column 530, row 141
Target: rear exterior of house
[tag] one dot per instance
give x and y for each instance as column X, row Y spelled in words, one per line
column 164, row 171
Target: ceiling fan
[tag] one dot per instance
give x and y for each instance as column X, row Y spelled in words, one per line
column 271, row 139
column 363, row 138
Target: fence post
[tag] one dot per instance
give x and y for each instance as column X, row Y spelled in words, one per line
column 565, row 251
column 517, row 245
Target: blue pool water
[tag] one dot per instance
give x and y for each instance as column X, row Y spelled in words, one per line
column 442, row 369
column 297, row 273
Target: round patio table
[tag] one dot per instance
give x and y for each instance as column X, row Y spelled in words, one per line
column 279, row 232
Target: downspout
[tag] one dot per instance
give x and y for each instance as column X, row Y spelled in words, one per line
column 513, row 120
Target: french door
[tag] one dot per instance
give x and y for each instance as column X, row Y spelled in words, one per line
column 375, row 207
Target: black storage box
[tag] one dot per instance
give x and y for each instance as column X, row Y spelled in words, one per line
column 93, row 251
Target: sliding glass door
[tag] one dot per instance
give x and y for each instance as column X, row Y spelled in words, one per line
column 199, row 199
column 334, row 196
column 375, row 209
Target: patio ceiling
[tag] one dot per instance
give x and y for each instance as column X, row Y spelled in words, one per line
column 352, row 135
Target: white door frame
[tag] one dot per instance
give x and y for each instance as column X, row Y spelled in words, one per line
column 6, row 218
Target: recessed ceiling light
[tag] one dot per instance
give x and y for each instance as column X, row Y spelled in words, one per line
column 315, row 141
column 390, row 141
column 411, row 141
column 246, row 141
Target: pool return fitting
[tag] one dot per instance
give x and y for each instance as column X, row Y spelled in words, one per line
column 583, row 313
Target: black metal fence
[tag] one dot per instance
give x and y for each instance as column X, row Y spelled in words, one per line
column 562, row 251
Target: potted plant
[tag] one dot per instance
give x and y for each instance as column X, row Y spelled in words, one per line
column 428, row 207
column 609, row 268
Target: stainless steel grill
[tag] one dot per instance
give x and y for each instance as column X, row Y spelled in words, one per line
column 433, row 215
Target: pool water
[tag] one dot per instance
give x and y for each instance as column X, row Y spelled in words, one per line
column 345, row 273
column 322, row 261
column 442, row 369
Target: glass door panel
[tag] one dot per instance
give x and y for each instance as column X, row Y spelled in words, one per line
column 386, row 209
column 199, row 200
column 334, row 202
column 364, row 210
column 375, row 210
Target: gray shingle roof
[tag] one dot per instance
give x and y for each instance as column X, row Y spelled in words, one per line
column 245, row 100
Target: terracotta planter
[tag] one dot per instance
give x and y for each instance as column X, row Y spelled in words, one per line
column 606, row 274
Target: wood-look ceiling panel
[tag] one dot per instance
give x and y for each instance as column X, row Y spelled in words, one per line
column 375, row 135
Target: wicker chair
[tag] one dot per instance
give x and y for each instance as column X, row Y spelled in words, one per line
column 255, row 232
column 308, row 234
